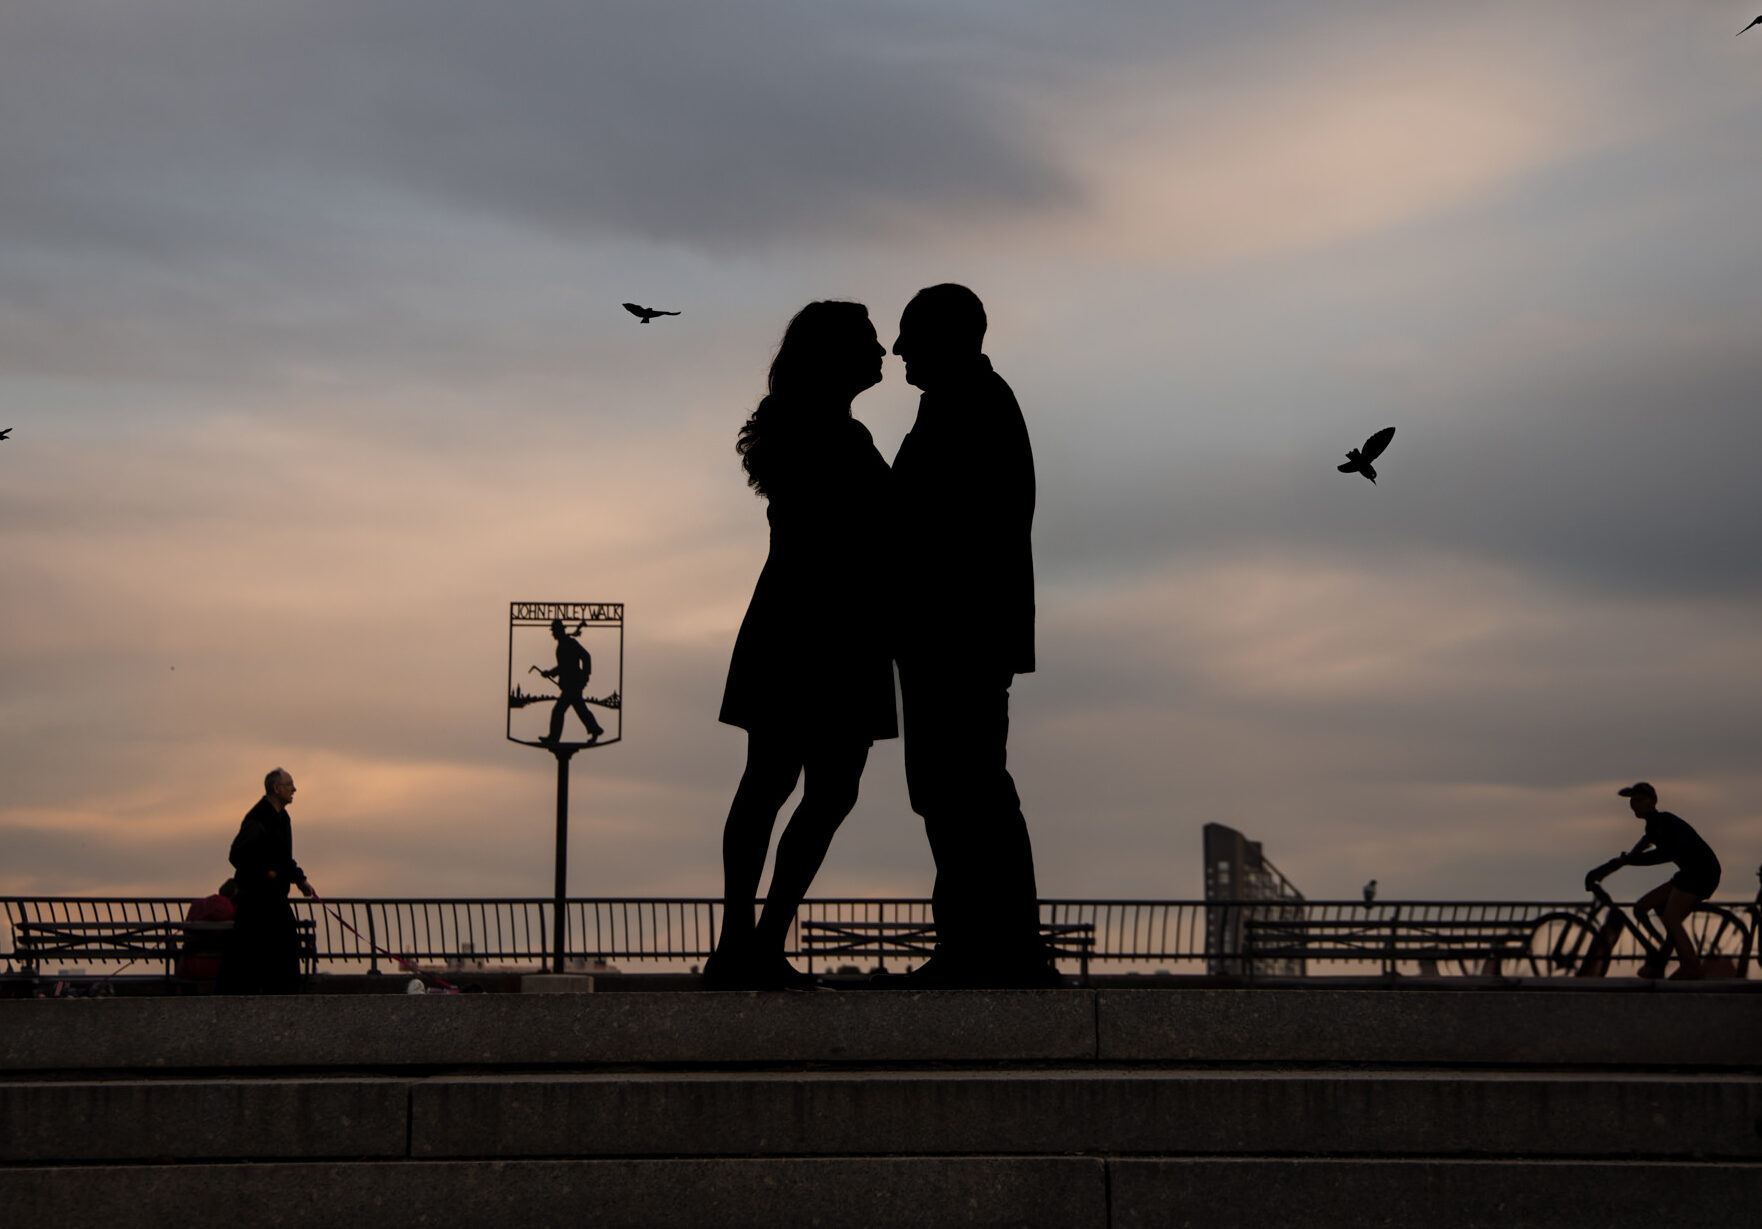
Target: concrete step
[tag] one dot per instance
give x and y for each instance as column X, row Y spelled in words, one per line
column 1158, row 1113
column 178, row 1120
column 1674, row 1027
column 1354, row 1194
column 890, row 1192
column 1095, row 1111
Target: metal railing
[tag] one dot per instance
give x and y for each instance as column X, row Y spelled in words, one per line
column 1144, row 936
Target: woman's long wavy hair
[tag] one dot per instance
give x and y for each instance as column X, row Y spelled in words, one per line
column 813, row 365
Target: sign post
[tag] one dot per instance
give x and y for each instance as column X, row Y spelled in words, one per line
column 585, row 641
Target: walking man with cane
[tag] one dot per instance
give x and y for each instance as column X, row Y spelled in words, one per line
column 264, row 954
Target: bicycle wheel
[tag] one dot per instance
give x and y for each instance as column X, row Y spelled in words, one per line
column 1501, row 961
column 1469, row 966
column 1719, row 934
column 1558, row 944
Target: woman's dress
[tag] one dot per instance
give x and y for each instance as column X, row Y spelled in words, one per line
column 814, row 657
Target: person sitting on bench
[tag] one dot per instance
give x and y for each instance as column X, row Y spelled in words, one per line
column 201, row 950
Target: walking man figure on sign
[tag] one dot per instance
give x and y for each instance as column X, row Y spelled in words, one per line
column 573, row 669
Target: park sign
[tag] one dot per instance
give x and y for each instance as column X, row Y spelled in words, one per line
column 565, row 694
column 565, row 674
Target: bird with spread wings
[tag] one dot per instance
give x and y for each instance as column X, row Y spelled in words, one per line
column 1358, row 461
column 645, row 314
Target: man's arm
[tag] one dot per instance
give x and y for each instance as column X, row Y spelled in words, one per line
column 1637, row 856
column 1645, row 853
column 248, row 853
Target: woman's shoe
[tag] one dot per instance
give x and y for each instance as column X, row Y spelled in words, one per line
column 776, row 973
column 724, row 971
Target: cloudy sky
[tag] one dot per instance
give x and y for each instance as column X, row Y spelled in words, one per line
column 311, row 347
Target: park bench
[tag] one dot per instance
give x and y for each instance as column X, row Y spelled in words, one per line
column 39, row 943
column 1471, row 946
column 827, row 940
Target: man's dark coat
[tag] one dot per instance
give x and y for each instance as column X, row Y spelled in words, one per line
column 964, row 486
column 265, row 843
column 263, row 956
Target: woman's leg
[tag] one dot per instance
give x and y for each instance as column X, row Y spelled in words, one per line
column 772, row 769
column 833, row 772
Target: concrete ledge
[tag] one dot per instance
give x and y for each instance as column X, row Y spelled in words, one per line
column 392, row 1031
column 557, row 983
column 1052, row 1112
column 1429, row 1194
column 179, row 1120
column 1510, row 1028
column 1056, row 1192
column 1427, row 1028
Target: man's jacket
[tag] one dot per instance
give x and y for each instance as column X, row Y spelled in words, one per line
column 964, row 481
column 265, row 843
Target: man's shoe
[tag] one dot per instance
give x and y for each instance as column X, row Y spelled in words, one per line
column 946, row 970
column 776, row 973
column 942, row 971
column 764, row 973
column 1034, row 975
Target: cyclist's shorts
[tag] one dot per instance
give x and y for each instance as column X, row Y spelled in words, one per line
column 1697, row 883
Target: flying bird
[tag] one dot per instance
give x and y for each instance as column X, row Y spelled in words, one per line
column 5, row 433
column 1370, row 891
column 645, row 314
column 1360, row 462
column 1757, row 22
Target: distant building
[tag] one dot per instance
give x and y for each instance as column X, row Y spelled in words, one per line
column 1238, row 872
column 589, row 964
column 466, row 958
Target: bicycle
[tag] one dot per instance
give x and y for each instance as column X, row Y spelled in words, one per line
column 1587, row 942
column 1754, row 945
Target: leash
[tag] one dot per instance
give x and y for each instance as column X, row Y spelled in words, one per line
column 449, row 986
column 104, row 981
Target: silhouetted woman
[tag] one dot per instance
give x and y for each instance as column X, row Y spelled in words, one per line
column 811, row 680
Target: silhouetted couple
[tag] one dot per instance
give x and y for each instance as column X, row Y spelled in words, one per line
column 929, row 564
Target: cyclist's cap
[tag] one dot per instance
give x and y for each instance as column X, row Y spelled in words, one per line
column 1640, row 788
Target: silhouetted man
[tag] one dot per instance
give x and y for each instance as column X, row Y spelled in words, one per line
column 1668, row 839
column 264, row 954
column 574, row 667
column 964, row 481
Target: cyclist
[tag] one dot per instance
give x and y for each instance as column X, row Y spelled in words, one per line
column 1668, row 839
